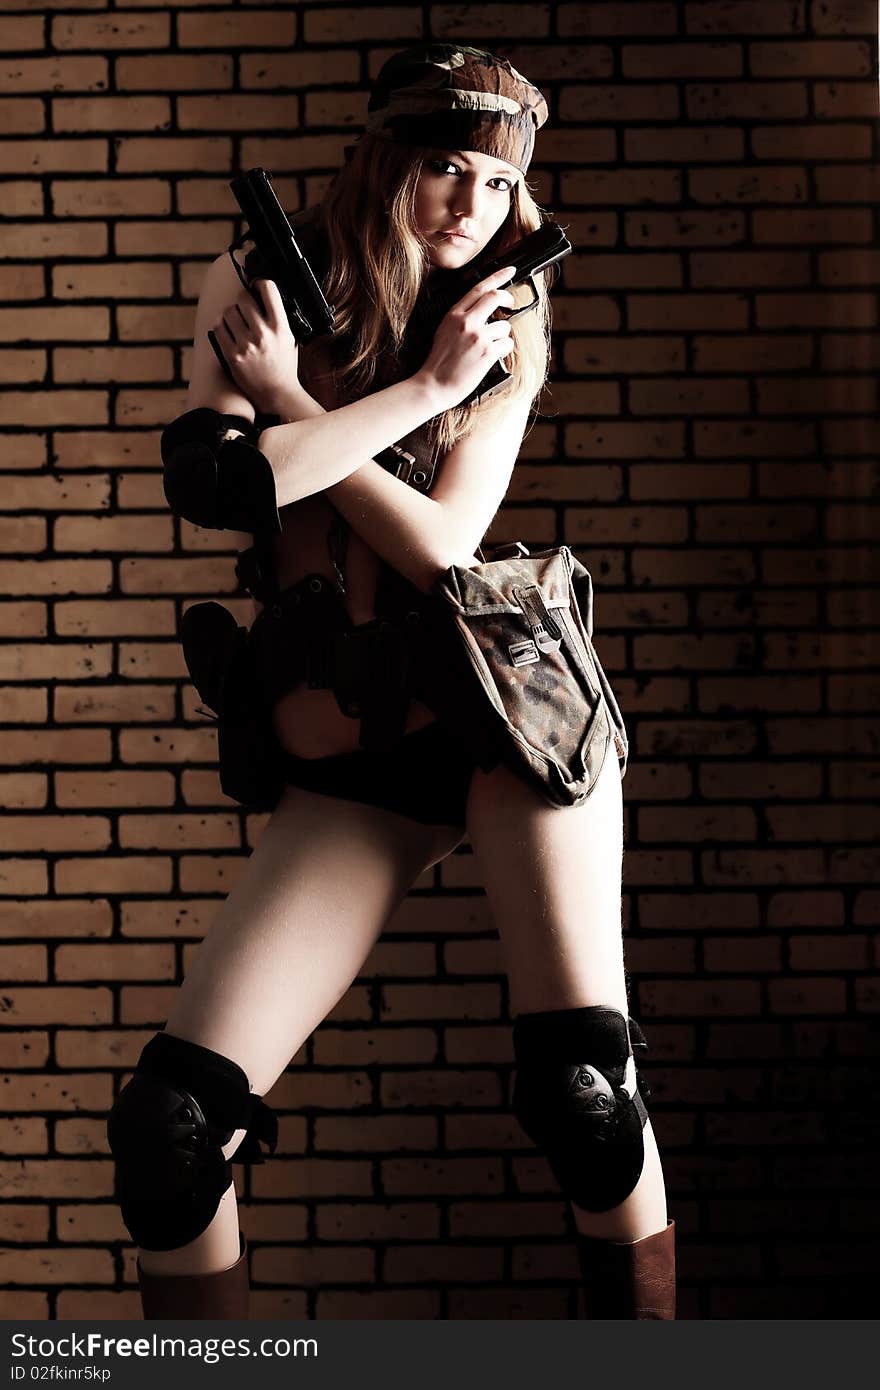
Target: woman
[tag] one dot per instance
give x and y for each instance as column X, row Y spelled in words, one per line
column 437, row 177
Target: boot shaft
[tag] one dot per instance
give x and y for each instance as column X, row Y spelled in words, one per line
column 223, row 1294
column 634, row 1280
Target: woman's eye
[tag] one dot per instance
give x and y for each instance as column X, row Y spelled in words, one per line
column 441, row 166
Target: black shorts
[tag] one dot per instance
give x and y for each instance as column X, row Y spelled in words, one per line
column 426, row 776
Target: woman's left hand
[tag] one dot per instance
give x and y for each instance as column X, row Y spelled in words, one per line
column 261, row 351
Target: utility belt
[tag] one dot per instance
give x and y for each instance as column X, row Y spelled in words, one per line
column 307, row 635
column 501, row 652
column 304, row 634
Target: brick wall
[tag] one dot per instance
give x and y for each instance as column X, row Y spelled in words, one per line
column 708, row 451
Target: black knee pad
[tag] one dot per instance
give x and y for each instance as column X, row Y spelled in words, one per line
column 570, row 1099
column 217, row 481
column 166, row 1133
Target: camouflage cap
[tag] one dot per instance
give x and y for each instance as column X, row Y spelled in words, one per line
column 449, row 96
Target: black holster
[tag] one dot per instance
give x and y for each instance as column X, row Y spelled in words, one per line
column 217, row 653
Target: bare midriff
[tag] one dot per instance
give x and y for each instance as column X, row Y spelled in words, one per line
column 309, row 723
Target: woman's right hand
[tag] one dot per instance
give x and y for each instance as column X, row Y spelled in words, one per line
column 465, row 344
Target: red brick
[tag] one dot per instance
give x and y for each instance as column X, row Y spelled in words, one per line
column 377, row 1221
column 56, row 1266
column 319, row 1267
column 27, row 1223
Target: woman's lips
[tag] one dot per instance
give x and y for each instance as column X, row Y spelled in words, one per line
column 457, row 236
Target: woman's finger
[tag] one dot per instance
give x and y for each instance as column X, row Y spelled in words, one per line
column 245, row 310
column 499, row 328
column 488, row 303
column 245, row 318
column 491, row 282
column 235, row 332
column 274, row 312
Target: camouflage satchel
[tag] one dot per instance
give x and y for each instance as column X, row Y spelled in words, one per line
column 524, row 669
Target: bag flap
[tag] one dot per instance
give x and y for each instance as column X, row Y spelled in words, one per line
column 488, row 588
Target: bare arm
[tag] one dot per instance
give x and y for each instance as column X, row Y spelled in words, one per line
column 316, row 451
column 407, row 529
column 422, row 536
column 322, row 447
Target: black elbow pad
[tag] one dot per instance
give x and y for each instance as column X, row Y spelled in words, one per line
column 217, row 482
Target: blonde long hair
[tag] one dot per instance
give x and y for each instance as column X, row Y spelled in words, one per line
column 379, row 262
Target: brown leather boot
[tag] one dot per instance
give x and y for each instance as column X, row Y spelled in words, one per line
column 225, row 1294
column 634, row 1280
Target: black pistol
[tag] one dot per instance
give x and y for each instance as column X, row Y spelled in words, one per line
column 531, row 254
column 275, row 256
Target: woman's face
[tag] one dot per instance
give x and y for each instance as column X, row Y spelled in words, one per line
column 465, row 192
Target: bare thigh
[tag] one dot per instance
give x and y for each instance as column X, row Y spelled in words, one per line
column 553, row 879
column 295, row 930
column 286, row 944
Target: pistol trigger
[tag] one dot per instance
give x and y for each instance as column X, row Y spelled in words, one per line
column 536, row 298
column 239, row 269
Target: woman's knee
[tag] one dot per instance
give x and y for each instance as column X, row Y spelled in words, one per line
column 173, row 1131
column 581, row 1099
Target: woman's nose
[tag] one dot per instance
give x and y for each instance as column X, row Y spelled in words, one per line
column 467, row 201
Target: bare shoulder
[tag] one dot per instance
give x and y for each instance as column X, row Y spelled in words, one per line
column 220, row 286
column 209, row 385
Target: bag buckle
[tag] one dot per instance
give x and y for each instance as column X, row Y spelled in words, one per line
column 523, row 653
column 545, row 633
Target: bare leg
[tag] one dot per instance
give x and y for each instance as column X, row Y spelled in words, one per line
column 553, row 880
column 292, row 935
